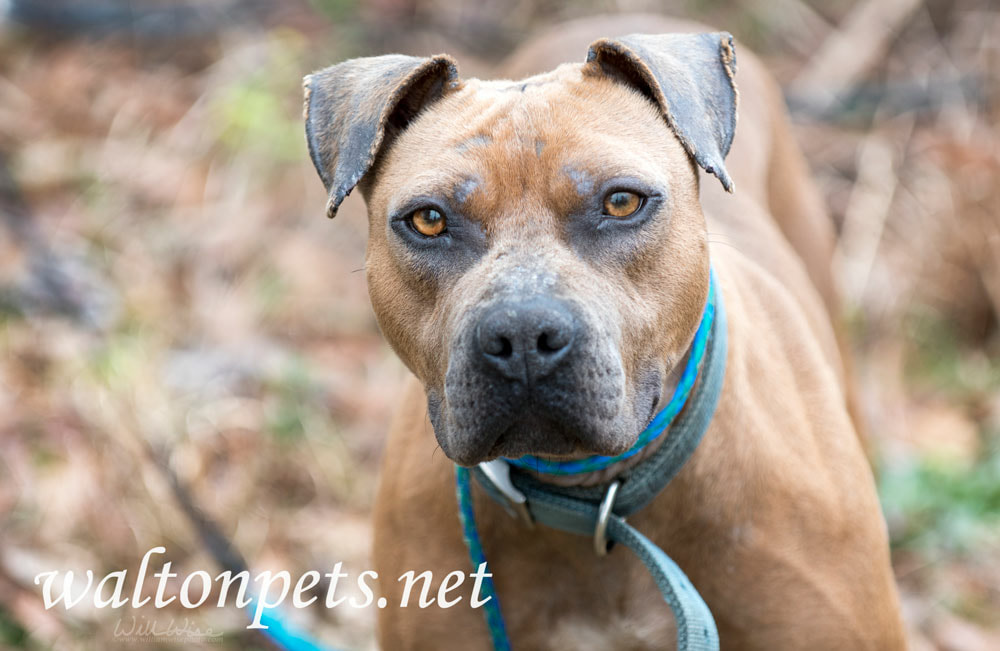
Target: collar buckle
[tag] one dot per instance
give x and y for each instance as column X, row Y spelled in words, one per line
column 498, row 472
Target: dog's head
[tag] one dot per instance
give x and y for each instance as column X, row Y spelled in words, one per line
column 537, row 254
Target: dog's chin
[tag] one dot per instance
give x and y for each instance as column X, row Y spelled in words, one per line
column 531, row 436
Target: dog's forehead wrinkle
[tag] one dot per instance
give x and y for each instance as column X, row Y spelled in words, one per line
column 489, row 107
column 485, row 106
column 562, row 73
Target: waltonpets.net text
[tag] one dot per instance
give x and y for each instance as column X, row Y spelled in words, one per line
column 259, row 592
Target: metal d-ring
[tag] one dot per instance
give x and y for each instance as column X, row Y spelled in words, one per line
column 603, row 515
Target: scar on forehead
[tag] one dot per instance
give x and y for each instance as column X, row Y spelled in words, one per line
column 539, row 146
column 582, row 181
column 464, row 189
column 478, row 140
column 523, row 86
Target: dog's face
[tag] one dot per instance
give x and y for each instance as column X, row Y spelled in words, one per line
column 541, row 267
column 538, row 258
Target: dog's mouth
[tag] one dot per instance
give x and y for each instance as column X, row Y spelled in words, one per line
column 560, row 428
column 557, row 444
column 532, row 432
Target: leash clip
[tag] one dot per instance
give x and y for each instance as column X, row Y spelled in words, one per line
column 498, row 472
column 603, row 515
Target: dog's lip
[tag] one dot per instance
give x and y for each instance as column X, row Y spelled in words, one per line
column 654, row 407
column 507, row 446
column 485, row 451
column 566, row 448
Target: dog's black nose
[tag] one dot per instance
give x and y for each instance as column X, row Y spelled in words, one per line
column 526, row 340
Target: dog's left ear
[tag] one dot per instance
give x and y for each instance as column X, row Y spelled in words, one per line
column 691, row 78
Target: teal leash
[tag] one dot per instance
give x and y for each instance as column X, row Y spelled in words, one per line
column 600, row 511
column 284, row 634
column 494, row 618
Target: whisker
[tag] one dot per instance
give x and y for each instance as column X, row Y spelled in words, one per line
column 730, row 244
column 437, row 446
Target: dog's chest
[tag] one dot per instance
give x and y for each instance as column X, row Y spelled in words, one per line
column 649, row 626
column 585, row 602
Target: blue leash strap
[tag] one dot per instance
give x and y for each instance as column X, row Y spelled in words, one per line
column 494, row 618
column 282, row 633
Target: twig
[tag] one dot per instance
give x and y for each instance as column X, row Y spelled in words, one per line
column 866, row 213
column 849, row 52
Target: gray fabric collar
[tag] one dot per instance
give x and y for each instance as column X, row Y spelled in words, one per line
column 644, row 481
column 578, row 509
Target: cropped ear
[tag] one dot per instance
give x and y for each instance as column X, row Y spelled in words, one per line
column 352, row 106
column 691, row 77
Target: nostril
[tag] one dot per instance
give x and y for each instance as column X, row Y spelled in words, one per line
column 551, row 342
column 506, row 348
column 499, row 347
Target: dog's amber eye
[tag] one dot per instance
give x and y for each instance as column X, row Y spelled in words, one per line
column 621, row 203
column 428, row 222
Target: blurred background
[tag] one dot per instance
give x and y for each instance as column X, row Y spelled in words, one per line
column 174, row 303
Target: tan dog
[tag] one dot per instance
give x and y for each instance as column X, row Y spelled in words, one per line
column 539, row 258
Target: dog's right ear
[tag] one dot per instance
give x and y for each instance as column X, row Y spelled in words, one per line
column 691, row 77
column 352, row 106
